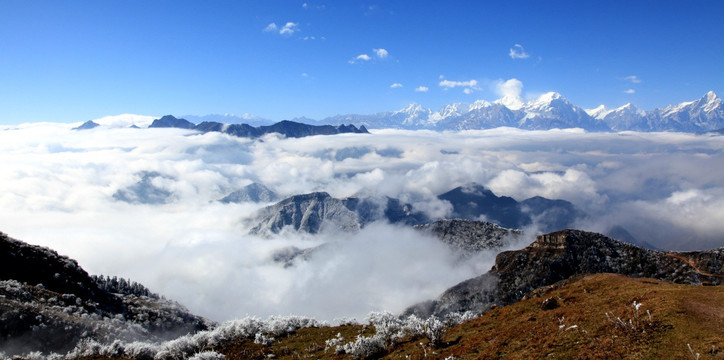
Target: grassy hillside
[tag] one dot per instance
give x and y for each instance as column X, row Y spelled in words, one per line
column 565, row 321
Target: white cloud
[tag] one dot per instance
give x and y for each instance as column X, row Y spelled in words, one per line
column 305, row 5
column 360, row 58
column 517, row 52
column 271, row 28
column 289, row 28
column 381, row 53
column 469, row 85
column 305, row 75
column 510, row 93
column 452, row 84
column 422, row 89
column 396, row 85
column 629, row 91
column 633, row 79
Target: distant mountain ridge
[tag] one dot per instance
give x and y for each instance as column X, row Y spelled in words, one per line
column 287, row 128
column 550, row 110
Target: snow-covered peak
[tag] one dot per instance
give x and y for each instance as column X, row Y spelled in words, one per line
column 412, row 109
column 712, row 101
column 630, row 109
column 546, row 101
column 599, row 112
column 479, row 104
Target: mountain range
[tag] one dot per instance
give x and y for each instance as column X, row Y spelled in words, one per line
column 314, row 212
column 290, row 129
column 548, row 111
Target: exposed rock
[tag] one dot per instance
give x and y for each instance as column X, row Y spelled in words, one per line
column 471, row 236
column 307, row 213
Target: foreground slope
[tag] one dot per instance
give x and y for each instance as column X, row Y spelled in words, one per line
column 573, row 319
column 49, row 303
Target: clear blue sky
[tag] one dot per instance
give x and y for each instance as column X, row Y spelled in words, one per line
column 73, row 61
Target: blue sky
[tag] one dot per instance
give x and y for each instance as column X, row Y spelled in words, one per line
column 80, row 60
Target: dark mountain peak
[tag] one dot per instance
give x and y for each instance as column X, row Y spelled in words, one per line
column 90, row 124
column 170, row 121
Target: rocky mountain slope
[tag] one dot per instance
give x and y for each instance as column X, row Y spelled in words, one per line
column 315, row 211
column 471, row 236
column 557, row 256
column 287, row 128
column 310, row 212
column 49, row 303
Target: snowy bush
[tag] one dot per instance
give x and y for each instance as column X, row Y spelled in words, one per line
column 364, row 347
column 208, row 355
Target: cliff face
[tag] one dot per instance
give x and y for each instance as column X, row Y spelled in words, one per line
column 560, row 255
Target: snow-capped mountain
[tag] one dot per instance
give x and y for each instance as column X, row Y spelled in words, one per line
column 552, row 110
column 627, row 117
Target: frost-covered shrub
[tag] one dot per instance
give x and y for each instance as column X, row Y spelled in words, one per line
column 260, row 338
column 208, row 355
column 364, row 347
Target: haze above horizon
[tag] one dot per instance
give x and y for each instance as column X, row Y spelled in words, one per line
column 70, row 62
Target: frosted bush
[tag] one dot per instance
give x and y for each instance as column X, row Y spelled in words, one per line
column 208, row 355
column 364, row 347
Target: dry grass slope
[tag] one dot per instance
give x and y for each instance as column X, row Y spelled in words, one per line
column 567, row 320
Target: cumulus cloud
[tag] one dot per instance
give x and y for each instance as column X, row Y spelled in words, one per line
column 518, row 52
column 422, row 89
column 396, row 85
column 59, row 186
column 288, row 29
column 378, row 53
column 510, row 93
column 629, row 91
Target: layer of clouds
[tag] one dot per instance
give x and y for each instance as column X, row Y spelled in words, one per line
column 58, row 189
column 468, row 86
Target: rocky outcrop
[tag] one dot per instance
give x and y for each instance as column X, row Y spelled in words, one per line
column 471, row 236
column 560, row 255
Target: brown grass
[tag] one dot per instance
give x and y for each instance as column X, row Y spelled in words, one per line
column 681, row 315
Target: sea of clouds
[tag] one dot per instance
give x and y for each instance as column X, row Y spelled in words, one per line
column 60, row 188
